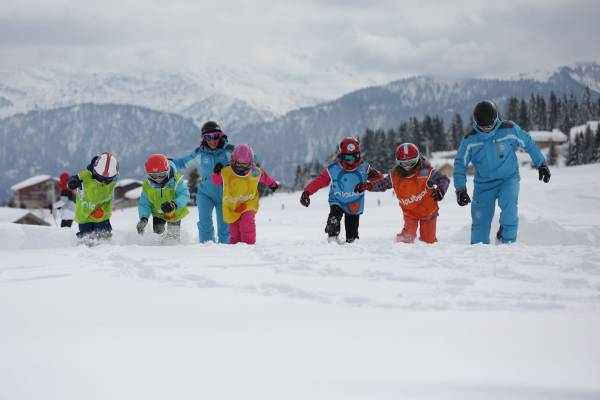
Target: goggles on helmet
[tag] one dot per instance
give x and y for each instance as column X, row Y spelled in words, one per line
column 211, row 136
column 241, row 167
column 352, row 157
column 158, row 176
column 407, row 164
column 103, row 179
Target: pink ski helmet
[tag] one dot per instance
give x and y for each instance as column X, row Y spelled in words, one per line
column 242, row 154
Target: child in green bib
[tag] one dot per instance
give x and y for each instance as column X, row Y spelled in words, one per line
column 164, row 196
column 94, row 195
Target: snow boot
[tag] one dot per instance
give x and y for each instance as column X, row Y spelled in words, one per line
column 332, row 229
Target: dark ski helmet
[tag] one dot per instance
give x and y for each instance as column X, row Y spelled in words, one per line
column 210, row 126
column 485, row 114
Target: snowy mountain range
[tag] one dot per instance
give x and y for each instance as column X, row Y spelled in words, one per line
column 55, row 120
column 65, row 139
column 313, row 132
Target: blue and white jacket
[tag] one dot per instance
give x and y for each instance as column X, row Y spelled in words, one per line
column 207, row 159
column 493, row 154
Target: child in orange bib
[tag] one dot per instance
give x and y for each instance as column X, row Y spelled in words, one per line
column 418, row 187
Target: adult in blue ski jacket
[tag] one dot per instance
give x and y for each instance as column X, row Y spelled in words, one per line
column 213, row 149
column 491, row 147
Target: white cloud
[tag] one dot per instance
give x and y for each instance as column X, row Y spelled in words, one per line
column 379, row 40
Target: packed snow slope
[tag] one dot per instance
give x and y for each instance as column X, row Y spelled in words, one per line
column 294, row 317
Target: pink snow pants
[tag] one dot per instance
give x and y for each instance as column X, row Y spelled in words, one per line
column 244, row 229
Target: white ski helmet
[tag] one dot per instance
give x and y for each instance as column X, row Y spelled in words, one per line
column 105, row 167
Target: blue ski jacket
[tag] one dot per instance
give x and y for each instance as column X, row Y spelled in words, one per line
column 207, row 159
column 493, row 154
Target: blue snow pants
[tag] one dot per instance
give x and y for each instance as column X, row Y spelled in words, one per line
column 206, row 231
column 506, row 191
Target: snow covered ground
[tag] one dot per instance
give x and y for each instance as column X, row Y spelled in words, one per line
column 296, row 318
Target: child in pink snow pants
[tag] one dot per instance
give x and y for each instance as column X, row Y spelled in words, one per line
column 240, row 182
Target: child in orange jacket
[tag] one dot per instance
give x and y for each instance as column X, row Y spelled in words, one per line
column 418, row 187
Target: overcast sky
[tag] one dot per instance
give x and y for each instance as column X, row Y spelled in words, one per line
column 383, row 40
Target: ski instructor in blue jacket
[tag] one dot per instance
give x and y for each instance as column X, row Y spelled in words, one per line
column 491, row 147
column 213, row 149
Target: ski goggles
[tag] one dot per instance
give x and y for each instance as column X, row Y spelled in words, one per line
column 407, row 164
column 241, row 166
column 353, row 157
column 103, row 179
column 158, row 176
column 212, row 136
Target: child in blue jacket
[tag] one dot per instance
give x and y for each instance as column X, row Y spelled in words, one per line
column 165, row 196
column 213, row 149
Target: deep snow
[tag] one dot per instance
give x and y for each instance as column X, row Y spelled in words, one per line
column 296, row 318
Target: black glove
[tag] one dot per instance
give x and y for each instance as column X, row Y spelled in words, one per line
column 361, row 187
column 168, row 207
column 141, row 225
column 305, row 199
column 275, row 187
column 544, row 173
column 73, row 182
column 436, row 193
column 462, row 197
column 218, row 167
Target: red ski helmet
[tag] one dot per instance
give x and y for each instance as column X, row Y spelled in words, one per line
column 349, row 153
column 157, row 167
column 407, row 156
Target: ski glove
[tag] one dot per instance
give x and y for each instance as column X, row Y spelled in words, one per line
column 305, row 199
column 361, row 187
column 141, row 225
column 218, row 167
column 544, row 173
column 275, row 187
column 462, row 197
column 168, row 207
column 436, row 193
column 73, row 182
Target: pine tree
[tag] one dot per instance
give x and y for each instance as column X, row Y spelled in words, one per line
column 573, row 110
column 413, row 130
column 579, row 146
column 552, row 155
column 456, row 130
column 596, row 157
column 533, row 112
column 542, row 114
column 566, row 124
column 439, row 141
column 425, row 140
column 512, row 109
column 553, row 112
column 587, row 153
column 572, row 156
column 524, row 120
column 367, row 143
column 586, row 110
